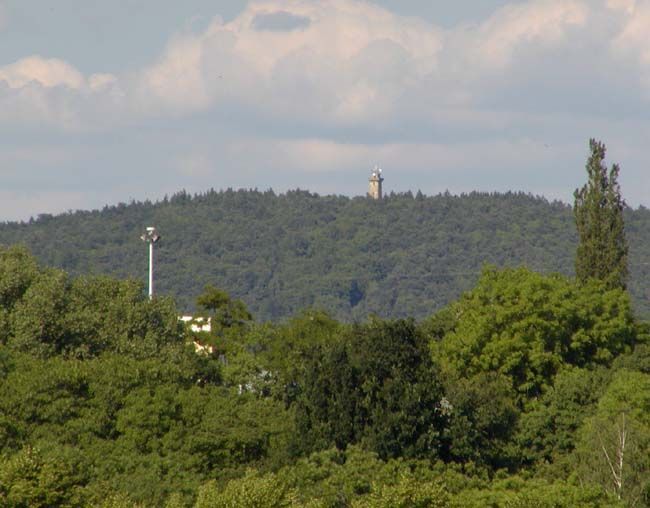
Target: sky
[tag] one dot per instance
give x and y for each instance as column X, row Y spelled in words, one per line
column 108, row 102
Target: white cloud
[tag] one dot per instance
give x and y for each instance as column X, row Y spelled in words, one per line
column 320, row 88
column 101, row 81
column 49, row 91
column 342, row 63
column 627, row 6
column 176, row 81
column 542, row 23
column 348, row 62
column 45, row 72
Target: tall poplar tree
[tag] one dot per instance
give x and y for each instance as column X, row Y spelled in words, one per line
column 598, row 209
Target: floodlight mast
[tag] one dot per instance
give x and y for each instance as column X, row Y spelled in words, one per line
column 150, row 270
column 150, row 236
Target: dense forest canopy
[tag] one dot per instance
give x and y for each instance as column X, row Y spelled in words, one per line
column 407, row 255
column 515, row 395
column 526, row 391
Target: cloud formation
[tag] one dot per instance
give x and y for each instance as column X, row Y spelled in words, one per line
column 280, row 21
column 349, row 63
column 44, row 72
column 346, row 63
column 311, row 87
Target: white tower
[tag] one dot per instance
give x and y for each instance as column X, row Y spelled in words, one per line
column 374, row 185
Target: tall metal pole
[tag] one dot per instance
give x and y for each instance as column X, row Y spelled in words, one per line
column 150, row 236
column 150, row 270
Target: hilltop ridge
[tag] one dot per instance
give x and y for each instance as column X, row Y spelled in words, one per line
column 406, row 255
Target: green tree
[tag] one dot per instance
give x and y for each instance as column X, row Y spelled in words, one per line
column 18, row 270
column 515, row 492
column 251, row 491
column 598, row 209
column 614, row 443
column 548, row 430
column 29, row 479
column 408, row 493
column 226, row 312
column 483, row 418
column 378, row 387
column 526, row 326
column 37, row 321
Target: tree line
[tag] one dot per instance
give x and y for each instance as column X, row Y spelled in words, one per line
column 508, row 397
column 405, row 256
column 530, row 389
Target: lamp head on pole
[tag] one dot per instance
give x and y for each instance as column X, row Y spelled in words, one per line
column 150, row 235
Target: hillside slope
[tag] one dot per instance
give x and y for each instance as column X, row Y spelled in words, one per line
column 404, row 256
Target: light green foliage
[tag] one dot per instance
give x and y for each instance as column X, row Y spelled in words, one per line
column 52, row 314
column 614, row 444
column 18, row 269
column 525, row 326
column 409, row 492
column 177, row 438
column 37, row 320
column 547, row 431
column 251, row 491
column 103, row 403
column 122, row 501
column 335, row 477
column 28, row 479
column 339, row 478
column 598, row 209
column 515, row 492
column 109, row 314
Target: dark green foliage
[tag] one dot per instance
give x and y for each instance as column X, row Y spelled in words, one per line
column 375, row 386
column 104, row 401
column 598, row 209
column 280, row 254
column 226, row 313
column 483, row 417
column 638, row 359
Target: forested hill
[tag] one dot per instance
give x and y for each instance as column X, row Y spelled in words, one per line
column 403, row 256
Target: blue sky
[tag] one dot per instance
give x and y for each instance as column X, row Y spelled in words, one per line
column 104, row 102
